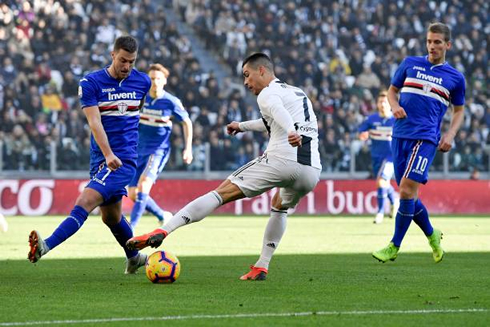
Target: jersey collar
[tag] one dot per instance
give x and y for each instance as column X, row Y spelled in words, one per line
column 434, row 66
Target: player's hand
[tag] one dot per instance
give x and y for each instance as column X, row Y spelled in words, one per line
column 399, row 113
column 363, row 136
column 187, row 156
column 446, row 142
column 113, row 162
column 294, row 139
column 233, row 128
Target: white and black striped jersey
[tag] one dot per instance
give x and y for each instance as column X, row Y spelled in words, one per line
column 286, row 108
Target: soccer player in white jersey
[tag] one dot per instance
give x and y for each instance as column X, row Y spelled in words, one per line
column 290, row 162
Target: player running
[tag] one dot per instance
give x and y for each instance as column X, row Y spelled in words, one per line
column 154, row 143
column 427, row 86
column 379, row 127
column 111, row 99
column 290, row 162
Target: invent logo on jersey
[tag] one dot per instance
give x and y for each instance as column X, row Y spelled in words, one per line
column 433, row 79
column 121, row 96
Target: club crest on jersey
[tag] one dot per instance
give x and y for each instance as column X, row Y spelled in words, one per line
column 122, row 107
column 427, row 88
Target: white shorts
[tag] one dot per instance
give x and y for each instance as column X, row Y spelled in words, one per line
column 266, row 172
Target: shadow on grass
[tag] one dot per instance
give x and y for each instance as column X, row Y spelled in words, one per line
column 87, row 288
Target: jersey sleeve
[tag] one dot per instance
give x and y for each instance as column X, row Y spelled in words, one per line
column 365, row 126
column 458, row 94
column 179, row 111
column 87, row 93
column 400, row 75
column 271, row 104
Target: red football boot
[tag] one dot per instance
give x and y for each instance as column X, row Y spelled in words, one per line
column 256, row 273
column 153, row 239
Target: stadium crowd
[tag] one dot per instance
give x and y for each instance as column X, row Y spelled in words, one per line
column 342, row 53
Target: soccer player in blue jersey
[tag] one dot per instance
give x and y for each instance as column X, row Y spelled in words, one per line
column 111, row 99
column 421, row 91
column 154, row 143
column 378, row 127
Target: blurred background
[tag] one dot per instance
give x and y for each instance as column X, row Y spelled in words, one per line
column 342, row 53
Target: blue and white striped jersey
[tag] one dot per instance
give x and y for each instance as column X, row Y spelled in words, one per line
column 155, row 122
column 380, row 130
column 426, row 91
column 119, row 102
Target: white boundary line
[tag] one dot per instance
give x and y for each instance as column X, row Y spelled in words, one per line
column 247, row 315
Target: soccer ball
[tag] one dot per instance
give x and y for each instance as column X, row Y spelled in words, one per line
column 162, row 267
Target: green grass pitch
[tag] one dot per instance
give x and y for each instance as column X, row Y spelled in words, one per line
column 322, row 274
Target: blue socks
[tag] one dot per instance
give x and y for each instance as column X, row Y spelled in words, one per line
column 403, row 219
column 144, row 202
column 383, row 193
column 123, row 232
column 421, row 218
column 138, row 208
column 153, row 208
column 381, row 199
column 68, row 227
column 390, row 191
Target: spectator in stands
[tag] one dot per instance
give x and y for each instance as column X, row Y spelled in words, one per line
column 336, row 39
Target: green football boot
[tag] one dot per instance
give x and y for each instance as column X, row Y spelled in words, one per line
column 435, row 244
column 387, row 253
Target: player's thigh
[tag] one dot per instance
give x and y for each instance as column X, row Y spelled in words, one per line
column 385, row 169
column 263, row 174
column 154, row 166
column 111, row 184
column 89, row 199
column 306, row 180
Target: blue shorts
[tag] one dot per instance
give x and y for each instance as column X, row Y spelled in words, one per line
column 111, row 184
column 412, row 159
column 383, row 168
column 150, row 165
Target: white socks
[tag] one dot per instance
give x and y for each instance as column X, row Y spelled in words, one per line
column 193, row 212
column 273, row 233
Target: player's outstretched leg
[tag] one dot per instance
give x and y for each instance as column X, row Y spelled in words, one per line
column 66, row 229
column 191, row 213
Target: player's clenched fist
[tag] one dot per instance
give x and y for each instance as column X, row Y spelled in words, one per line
column 233, row 128
column 294, row 139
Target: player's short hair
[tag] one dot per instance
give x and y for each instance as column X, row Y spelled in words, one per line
column 441, row 28
column 259, row 59
column 159, row 68
column 127, row 43
column 382, row 94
